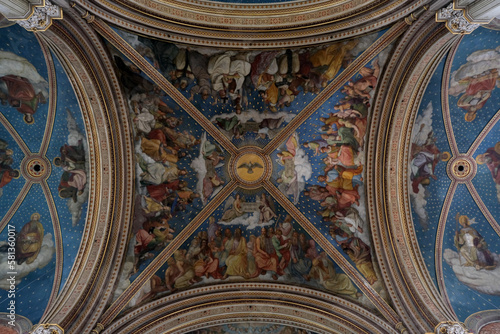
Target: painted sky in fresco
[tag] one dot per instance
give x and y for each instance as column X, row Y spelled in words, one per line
column 34, row 290
column 252, row 327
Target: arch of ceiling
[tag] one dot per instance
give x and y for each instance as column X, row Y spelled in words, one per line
column 250, row 26
column 246, row 302
column 98, row 260
column 94, row 274
column 414, row 293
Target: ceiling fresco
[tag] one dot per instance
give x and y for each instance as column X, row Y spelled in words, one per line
column 212, row 126
column 43, row 170
column 243, row 174
column 247, row 328
column 248, row 2
column 454, row 183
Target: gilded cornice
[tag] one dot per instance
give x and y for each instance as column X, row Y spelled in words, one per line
column 110, row 202
column 242, row 33
column 183, row 312
column 412, row 65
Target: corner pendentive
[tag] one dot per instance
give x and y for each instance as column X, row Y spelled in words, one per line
column 463, row 17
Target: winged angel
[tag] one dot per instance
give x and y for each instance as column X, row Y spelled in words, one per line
column 206, row 164
column 297, row 168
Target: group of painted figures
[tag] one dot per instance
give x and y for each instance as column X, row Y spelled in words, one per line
column 19, row 93
column 160, row 145
column 273, row 78
column 340, row 143
column 232, row 76
column 221, row 253
column 7, row 173
column 492, row 160
column 74, row 177
column 28, row 241
column 472, row 248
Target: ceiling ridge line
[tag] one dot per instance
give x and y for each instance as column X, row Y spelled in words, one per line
column 118, row 42
column 445, row 100
column 19, row 199
column 354, row 67
column 340, row 260
column 422, row 84
column 86, row 235
column 438, row 259
column 418, row 91
column 241, row 290
column 268, row 315
column 486, row 130
column 117, row 306
column 94, row 123
column 363, row 10
column 174, row 33
column 408, row 53
column 484, row 209
column 59, row 247
column 51, row 112
column 20, row 142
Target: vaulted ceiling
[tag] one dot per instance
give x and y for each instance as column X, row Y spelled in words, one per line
column 253, row 167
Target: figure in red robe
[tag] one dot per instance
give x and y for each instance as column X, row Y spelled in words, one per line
column 22, row 96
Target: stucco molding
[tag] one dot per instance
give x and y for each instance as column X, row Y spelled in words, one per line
column 236, row 302
column 455, row 20
column 97, row 264
column 411, row 288
column 42, row 17
column 249, row 34
column 451, row 327
column 47, row 329
column 19, row 9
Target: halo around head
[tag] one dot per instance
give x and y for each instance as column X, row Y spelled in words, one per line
column 470, row 116
column 28, row 119
column 445, row 156
column 463, row 219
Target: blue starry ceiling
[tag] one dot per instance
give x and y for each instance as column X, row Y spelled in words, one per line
column 195, row 115
column 454, row 180
column 43, row 173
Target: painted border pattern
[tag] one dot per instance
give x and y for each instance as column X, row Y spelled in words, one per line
column 387, row 226
column 177, row 33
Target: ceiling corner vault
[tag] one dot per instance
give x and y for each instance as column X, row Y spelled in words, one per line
column 110, row 202
column 218, row 167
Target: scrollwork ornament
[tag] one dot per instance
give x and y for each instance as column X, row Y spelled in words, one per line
column 42, row 17
column 451, row 327
column 455, row 20
column 47, row 329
